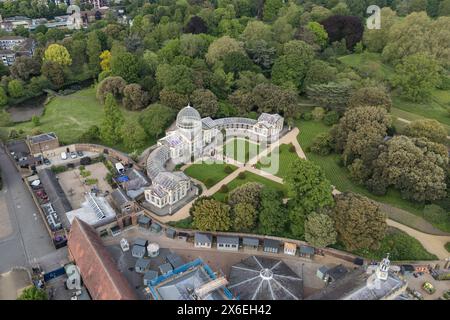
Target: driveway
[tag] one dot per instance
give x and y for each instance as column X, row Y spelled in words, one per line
column 23, row 237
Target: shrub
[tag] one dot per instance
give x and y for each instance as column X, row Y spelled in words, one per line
column 58, row 169
column 228, row 169
column 223, row 189
column 307, row 116
column 331, row 118
column 85, row 173
column 322, row 144
column 318, row 113
column 242, row 175
column 291, row 148
column 435, row 213
column 91, row 181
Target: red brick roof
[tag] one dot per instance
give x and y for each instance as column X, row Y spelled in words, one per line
column 97, row 267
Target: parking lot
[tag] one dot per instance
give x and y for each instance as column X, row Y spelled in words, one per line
column 74, row 185
column 416, row 284
column 54, row 156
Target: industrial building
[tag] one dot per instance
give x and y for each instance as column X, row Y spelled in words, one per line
column 261, row 278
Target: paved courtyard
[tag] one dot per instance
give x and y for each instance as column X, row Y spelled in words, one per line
column 73, row 183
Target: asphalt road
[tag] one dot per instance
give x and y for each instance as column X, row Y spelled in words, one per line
column 24, row 240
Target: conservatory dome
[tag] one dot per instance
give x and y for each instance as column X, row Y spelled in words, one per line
column 188, row 118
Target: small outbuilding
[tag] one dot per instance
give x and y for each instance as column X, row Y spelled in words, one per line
column 335, row 273
column 171, row 233
column 142, row 265
column 407, row 269
column 149, row 276
column 144, row 221
column 174, row 260
column 227, row 243
column 155, row 227
column 202, row 240
column 290, row 248
column 141, row 242
column 138, row 251
column 271, row 245
column 250, row 244
column 306, row 252
column 165, row 268
column 321, row 272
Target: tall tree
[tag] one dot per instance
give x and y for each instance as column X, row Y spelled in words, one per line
column 211, row 215
column 272, row 214
column 93, row 50
column 319, row 230
column 58, row 54
column 360, row 224
column 244, row 217
column 155, row 119
column 308, row 185
column 133, row 135
column 427, row 128
column 125, row 65
column 113, row 120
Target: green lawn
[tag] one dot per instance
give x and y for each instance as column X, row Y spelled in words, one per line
column 69, row 116
column 401, row 247
column 209, row 174
column 250, row 177
column 447, row 246
column 241, row 150
column 369, row 63
column 285, row 158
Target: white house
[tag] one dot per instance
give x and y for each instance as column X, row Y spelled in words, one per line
column 202, row 240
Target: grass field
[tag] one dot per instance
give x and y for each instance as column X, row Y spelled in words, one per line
column 369, row 63
column 401, row 247
column 241, row 150
column 69, row 116
column 285, row 158
column 209, row 174
column 372, row 65
column 250, row 177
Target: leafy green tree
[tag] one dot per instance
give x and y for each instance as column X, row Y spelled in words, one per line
column 3, row 97
column 58, row 54
column 296, row 220
column 125, row 65
column 134, row 98
column 427, row 128
column 53, row 72
column 113, row 85
column 319, row 230
column 376, row 39
column 370, row 97
column 359, row 222
column 205, row 102
column 110, row 130
column 333, row 95
column 417, row 75
column 272, row 214
column 93, row 50
column 173, row 99
column 307, row 184
column 271, row 8
column 178, row 78
column 413, row 166
column 220, row 47
column 211, row 215
column 155, row 119
column 244, row 217
column 15, row 88
column 33, row 293
column 319, row 72
column 319, row 32
column 133, row 135
column 35, row 120
column 25, row 67
column 249, row 192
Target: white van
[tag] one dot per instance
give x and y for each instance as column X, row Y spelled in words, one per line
column 63, row 155
column 120, row 168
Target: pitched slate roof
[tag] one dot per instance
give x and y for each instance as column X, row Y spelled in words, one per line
column 97, row 267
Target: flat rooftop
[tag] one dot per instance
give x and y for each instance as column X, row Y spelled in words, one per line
column 95, row 211
column 43, row 137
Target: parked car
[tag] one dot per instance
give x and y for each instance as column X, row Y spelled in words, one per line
column 80, row 153
column 73, row 155
column 63, row 156
column 47, row 162
column 428, row 287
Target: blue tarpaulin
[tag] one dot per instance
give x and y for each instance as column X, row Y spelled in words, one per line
column 123, row 179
